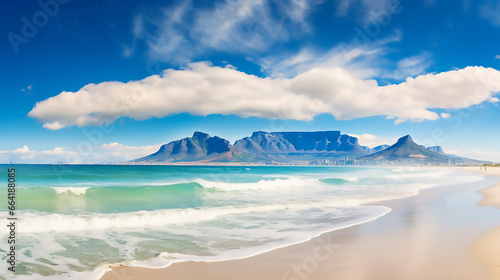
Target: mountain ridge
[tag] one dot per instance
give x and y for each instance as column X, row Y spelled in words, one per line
column 323, row 147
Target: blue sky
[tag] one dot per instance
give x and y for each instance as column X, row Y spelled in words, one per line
column 96, row 81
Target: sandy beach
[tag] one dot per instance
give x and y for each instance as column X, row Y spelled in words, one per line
column 447, row 233
column 487, row 247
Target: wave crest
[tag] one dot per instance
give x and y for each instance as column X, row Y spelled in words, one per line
column 276, row 184
column 71, row 190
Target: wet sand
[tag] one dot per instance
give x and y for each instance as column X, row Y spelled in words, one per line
column 443, row 233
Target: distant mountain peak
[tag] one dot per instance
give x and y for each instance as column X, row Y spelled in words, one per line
column 406, row 149
column 200, row 135
column 406, row 138
column 437, row 149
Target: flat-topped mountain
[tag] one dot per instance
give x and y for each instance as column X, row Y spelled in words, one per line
column 437, row 149
column 286, row 142
column 261, row 146
column 285, row 146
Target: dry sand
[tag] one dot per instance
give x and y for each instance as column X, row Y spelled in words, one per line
column 487, row 247
column 441, row 234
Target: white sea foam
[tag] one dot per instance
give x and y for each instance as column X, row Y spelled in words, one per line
column 69, row 223
column 71, row 190
column 33, row 223
column 290, row 182
column 367, row 214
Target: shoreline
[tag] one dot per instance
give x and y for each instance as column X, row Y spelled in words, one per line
column 340, row 226
column 282, row 257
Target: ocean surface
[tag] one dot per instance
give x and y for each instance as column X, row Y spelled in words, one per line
column 75, row 220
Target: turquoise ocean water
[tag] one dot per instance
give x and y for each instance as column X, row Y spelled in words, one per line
column 75, row 220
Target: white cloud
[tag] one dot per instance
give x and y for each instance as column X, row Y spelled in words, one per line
column 53, row 126
column 358, row 60
column 497, row 56
column 245, row 26
column 113, row 152
column 25, row 155
column 137, row 31
column 363, row 60
column 183, row 32
column 493, row 100
column 308, row 59
column 445, row 115
column 373, row 141
column 23, row 150
column 203, row 89
column 119, row 152
column 169, row 43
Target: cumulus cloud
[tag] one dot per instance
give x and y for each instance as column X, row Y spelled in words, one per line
column 112, row 152
column 202, row 89
column 445, row 115
column 25, row 155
